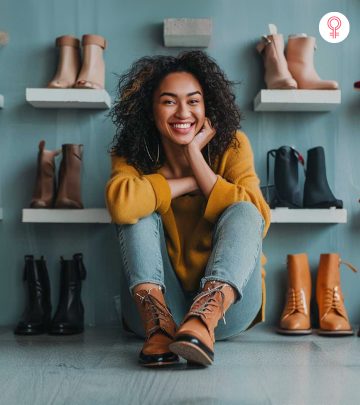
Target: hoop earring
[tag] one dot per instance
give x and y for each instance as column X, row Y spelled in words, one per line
column 157, row 155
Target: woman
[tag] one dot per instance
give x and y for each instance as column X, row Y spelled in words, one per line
column 189, row 212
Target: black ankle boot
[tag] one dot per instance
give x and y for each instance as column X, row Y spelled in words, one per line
column 69, row 316
column 37, row 315
column 317, row 193
column 286, row 189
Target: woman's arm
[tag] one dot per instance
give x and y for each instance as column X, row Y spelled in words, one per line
column 182, row 186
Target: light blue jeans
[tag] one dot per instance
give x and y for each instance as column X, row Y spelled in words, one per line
column 235, row 259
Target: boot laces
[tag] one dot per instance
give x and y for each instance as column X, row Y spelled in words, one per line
column 157, row 314
column 206, row 303
column 296, row 302
column 334, row 299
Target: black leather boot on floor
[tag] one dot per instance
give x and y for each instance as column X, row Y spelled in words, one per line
column 69, row 316
column 317, row 193
column 287, row 188
column 37, row 315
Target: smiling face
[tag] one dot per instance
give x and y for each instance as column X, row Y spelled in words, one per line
column 179, row 108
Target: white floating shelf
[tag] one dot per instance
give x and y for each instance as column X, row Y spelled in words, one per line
column 297, row 100
column 1, row 214
column 326, row 216
column 187, row 32
column 68, row 98
column 87, row 215
column 2, row 101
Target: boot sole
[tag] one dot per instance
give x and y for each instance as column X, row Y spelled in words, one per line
column 191, row 353
column 335, row 332
column 294, row 332
column 160, row 364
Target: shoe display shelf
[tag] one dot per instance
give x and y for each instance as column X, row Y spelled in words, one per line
column 52, row 215
column 2, row 101
column 101, row 215
column 314, row 216
column 68, row 98
column 297, row 100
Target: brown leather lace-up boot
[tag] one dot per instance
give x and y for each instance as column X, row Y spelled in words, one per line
column 44, row 191
column 69, row 192
column 159, row 328
column 194, row 341
column 295, row 318
column 332, row 313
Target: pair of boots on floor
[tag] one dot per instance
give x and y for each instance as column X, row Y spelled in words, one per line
column 293, row 69
column 333, row 318
column 287, row 191
column 69, row 316
column 194, row 339
column 92, row 72
column 68, row 193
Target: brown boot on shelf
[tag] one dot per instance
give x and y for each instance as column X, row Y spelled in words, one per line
column 295, row 319
column 277, row 75
column 332, row 313
column 194, row 341
column 44, row 192
column 69, row 63
column 92, row 73
column 69, row 190
column 300, row 59
column 159, row 327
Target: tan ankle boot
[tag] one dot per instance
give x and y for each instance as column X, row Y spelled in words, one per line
column 277, row 75
column 44, row 192
column 69, row 63
column 69, row 191
column 332, row 313
column 92, row 73
column 194, row 341
column 300, row 60
column 159, row 328
column 295, row 319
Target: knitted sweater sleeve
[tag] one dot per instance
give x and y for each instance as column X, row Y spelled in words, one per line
column 237, row 181
column 131, row 196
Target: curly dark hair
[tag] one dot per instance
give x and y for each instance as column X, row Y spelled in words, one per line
column 132, row 114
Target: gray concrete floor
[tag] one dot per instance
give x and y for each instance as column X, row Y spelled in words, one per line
column 99, row 367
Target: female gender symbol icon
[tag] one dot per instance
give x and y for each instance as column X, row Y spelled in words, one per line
column 334, row 28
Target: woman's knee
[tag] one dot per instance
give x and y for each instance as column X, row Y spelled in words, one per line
column 242, row 211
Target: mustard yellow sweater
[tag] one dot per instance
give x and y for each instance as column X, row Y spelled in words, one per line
column 189, row 219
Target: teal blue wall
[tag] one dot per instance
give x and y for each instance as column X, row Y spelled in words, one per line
column 133, row 29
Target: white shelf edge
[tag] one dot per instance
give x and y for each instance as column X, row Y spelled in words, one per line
column 297, row 100
column 1, row 214
column 314, row 216
column 2, row 101
column 86, row 215
column 68, row 98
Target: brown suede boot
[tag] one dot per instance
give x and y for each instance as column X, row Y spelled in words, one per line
column 92, row 73
column 159, row 328
column 295, row 318
column 332, row 313
column 69, row 63
column 277, row 75
column 194, row 341
column 69, row 191
column 44, row 192
column 300, row 60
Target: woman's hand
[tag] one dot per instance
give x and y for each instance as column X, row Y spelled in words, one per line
column 203, row 137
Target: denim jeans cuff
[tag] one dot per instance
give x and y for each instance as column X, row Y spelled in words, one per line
column 205, row 279
column 160, row 283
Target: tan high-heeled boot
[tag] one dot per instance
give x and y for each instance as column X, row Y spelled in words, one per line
column 69, row 63
column 69, row 191
column 44, row 191
column 195, row 338
column 300, row 60
column 277, row 75
column 92, row 73
column 295, row 318
column 159, row 327
column 332, row 313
